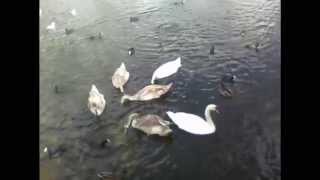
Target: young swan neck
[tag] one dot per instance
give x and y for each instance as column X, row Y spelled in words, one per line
column 127, row 97
column 130, row 119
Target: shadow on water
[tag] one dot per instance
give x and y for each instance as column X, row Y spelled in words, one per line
column 76, row 145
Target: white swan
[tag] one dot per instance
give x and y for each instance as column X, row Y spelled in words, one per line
column 193, row 123
column 96, row 101
column 166, row 69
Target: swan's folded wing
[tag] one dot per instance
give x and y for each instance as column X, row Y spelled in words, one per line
column 190, row 123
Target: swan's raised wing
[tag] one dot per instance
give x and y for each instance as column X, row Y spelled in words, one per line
column 190, row 123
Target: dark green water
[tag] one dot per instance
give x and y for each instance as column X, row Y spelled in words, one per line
column 246, row 145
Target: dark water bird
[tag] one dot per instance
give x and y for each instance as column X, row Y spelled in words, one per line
column 225, row 91
column 224, row 86
column 56, row 89
column 68, row 31
column 97, row 36
column 179, row 2
column 211, row 52
column 149, row 124
column 147, row 93
column 105, row 142
column 256, row 46
column 134, row 19
column 228, row 78
column 131, row 51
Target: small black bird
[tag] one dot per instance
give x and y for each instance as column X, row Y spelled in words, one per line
column 228, row 79
column 131, row 51
column 104, row 143
column 68, row 31
column 134, row 19
column 211, row 50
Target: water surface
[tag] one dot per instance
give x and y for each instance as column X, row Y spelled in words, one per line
column 246, row 145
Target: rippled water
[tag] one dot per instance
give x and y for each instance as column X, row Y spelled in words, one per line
column 246, row 144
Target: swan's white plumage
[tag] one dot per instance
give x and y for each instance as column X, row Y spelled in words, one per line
column 96, row 101
column 120, row 77
column 166, row 69
column 191, row 123
column 51, row 26
column 73, row 12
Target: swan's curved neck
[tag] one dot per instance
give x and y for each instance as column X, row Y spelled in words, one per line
column 208, row 116
column 153, row 78
column 127, row 97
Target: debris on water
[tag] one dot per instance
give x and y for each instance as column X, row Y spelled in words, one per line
column 134, row 19
column 131, row 51
column 106, row 175
column 56, row 152
column 73, row 12
column 211, row 50
column 68, row 31
column 52, row 26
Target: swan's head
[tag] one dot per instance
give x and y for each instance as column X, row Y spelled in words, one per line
column 213, row 107
column 130, row 118
column 122, row 66
column 133, row 116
